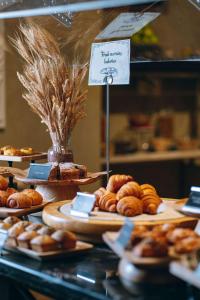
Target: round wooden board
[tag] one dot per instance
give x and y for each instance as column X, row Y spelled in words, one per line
column 92, row 229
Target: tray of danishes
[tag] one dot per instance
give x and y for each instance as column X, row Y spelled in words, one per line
column 155, row 246
column 39, row 241
column 18, row 203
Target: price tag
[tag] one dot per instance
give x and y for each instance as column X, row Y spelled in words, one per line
column 127, row 24
column 83, row 205
column 125, row 234
column 193, row 203
column 110, row 59
column 3, row 239
column 39, row 171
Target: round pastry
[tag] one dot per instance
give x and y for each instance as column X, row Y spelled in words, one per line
column 150, row 204
column 116, row 181
column 5, row 226
column 44, row 243
column 66, row 239
column 45, row 230
column 3, row 198
column 150, row 248
column 24, row 238
column 34, row 195
column 26, row 151
column 179, row 234
column 12, row 152
column 34, row 227
column 3, row 183
column 11, row 191
column 129, row 206
column 99, row 193
column 108, row 202
column 131, row 188
column 19, row 200
column 11, row 220
column 187, row 245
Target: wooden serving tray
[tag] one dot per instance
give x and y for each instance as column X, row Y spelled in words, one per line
column 36, row 156
column 18, row 212
column 81, row 247
column 91, row 228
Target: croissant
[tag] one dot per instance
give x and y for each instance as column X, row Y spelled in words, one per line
column 19, row 200
column 151, row 203
column 3, row 198
column 108, row 202
column 129, row 206
column 3, row 183
column 148, row 187
column 131, row 188
column 116, row 181
column 99, row 193
column 34, row 195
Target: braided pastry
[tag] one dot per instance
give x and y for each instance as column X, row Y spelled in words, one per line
column 129, row 206
column 151, row 203
column 108, row 202
column 99, row 193
column 116, row 181
column 131, row 188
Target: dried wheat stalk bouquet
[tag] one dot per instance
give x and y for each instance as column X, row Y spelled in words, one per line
column 53, row 87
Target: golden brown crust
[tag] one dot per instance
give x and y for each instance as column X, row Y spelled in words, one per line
column 115, row 182
column 147, row 186
column 108, row 202
column 3, row 183
column 19, row 200
column 45, row 230
column 131, row 188
column 5, row 226
column 66, row 239
column 43, row 243
column 24, row 238
column 179, row 234
column 151, row 203
column 26, row 151
column 129, row 206
column 34, row 227
column 150, row 248
column 11, row 191
column 3, row 198
column 99, row 193
column 34, row 195
column 11, row 220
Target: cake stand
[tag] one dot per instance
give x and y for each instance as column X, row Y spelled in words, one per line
column 54, row 190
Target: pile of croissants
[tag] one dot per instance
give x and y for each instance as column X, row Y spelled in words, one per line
column 126, row 197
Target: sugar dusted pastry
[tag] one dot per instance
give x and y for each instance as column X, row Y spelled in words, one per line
column 34, row 195
column 151, row 203
column 99, row 193
column 129, row 206
column 66, row 239
column 23, row 240
column 3, row 198
column 44, row 243
column 108, row 202
column 19, row 200
column 115, row 182
column 132, row 188
column 14, row 232
column 11, row 220
column 3, row 183
column 147, row 186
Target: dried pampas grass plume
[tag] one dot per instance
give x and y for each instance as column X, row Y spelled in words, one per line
column 53, row 87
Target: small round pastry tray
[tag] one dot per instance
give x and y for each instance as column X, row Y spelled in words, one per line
column 92, row 227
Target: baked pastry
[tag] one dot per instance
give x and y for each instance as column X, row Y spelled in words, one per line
column 19, row 200
column 72, row 171
column 187, row 245
column 116, row 181
column 14, row 232
column 23, row 240
column 11, row 191
column 108, row 202
column 129, row 206
column 66, row 239
column 5, row 226
column 54, row 172
column 150, row 248
column 99, row 193
column 132, row 188
column 179, row 234
column 34, row 195
column 3, row 183
column 147, row 187
column 11, row 220
column 138, row 234
column 45, row 230
column 6, row 147
column 3, row 198
column 151, row 203
column 26, row 151
column 44, row 243
column 12, row 152
column 34, row 227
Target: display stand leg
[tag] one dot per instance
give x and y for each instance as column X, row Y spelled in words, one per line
column 11, row 183
column 57, row 193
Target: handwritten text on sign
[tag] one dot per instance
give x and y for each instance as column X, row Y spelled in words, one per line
column 110, row 59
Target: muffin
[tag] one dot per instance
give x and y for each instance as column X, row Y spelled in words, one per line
column 11, row 220
column 66, row 239
column 24, row 239
column 43, row 243
column 45, row 230
column 34, row 227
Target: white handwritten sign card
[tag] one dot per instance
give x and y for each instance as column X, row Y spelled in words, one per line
column 110, row 59
column 127, row 24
